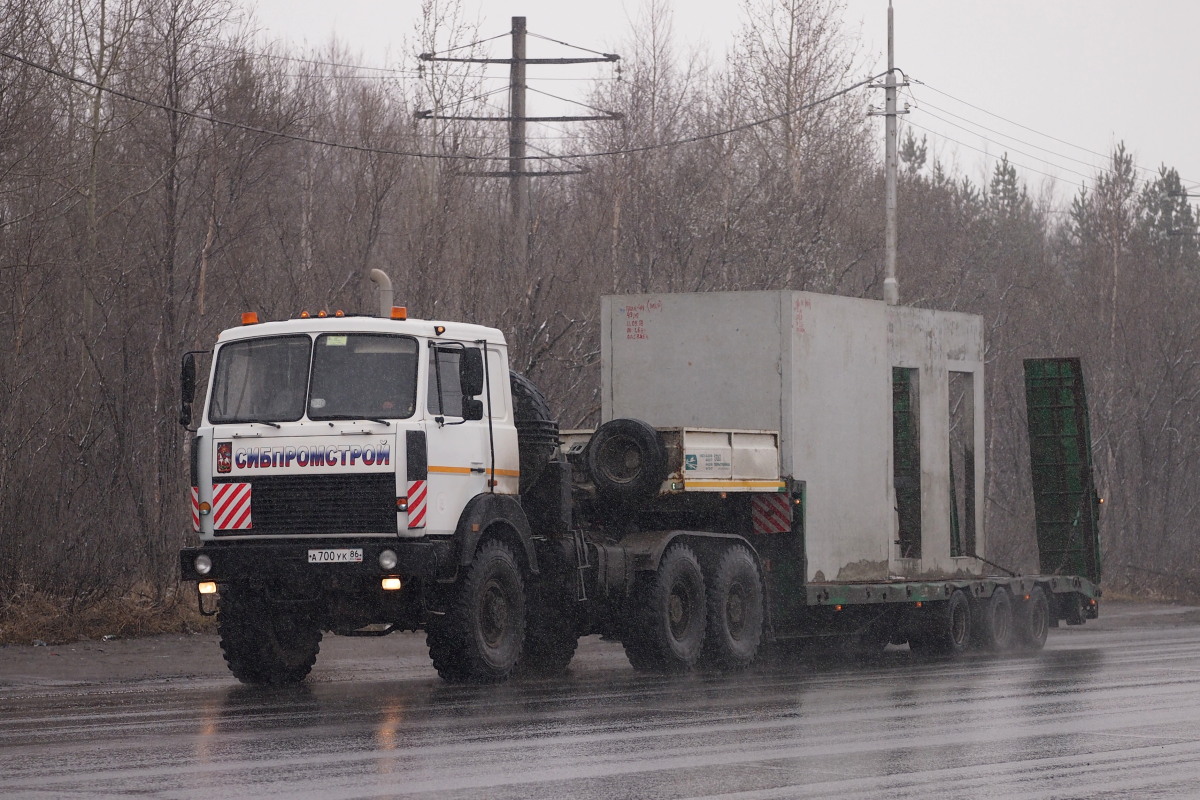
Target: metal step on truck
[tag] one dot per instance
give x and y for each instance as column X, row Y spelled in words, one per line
column 771, row 465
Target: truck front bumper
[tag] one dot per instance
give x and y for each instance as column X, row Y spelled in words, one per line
column 237, row 562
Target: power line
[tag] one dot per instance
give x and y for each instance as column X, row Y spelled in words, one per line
column 230, row 123
column 736, row 129
column 1105, row 156
column 1010, row 149
column 990, row 155
column 417, row 154
column 1089, row 164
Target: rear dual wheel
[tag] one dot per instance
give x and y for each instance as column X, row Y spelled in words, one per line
column 735, row 611
column 667, row 620
column 680, row 617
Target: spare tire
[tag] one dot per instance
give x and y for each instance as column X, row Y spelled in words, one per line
column 627, row 461
column 537, row 430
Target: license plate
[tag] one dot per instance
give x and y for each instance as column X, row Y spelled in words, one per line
column 344, row 555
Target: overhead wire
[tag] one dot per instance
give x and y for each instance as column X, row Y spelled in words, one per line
column 1007, row 149
column 925, row 103
column 417, row 154
column 1103, row 156
column 989, row 155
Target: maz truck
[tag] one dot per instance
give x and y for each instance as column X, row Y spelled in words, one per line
column 770, row 465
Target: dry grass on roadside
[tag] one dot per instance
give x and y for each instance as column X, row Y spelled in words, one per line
column 30, row 615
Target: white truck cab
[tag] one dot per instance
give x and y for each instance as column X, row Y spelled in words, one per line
column 340, row 427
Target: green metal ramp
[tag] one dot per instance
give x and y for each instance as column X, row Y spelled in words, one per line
column 1066, row 505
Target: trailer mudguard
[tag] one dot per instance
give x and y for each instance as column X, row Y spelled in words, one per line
column 486, row 510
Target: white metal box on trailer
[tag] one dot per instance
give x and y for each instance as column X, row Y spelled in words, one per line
column 879, row 412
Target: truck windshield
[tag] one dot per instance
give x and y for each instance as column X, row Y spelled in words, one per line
column 363, row 376
column 261, row 380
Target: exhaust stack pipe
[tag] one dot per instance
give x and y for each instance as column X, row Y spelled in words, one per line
column 380, row 278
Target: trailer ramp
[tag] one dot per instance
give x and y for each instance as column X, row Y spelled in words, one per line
column 1066, row 505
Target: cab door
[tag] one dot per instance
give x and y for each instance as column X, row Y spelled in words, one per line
column 457, row 446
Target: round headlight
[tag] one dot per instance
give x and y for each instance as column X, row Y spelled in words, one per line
column 388, row 560
column 202, row 564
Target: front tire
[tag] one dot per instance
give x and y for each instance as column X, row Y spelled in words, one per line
column 265, row 643
column 667, row 620
column 735, row 611
column 480, row 637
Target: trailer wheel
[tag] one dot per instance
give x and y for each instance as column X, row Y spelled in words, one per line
column 480, row 636
column 665, row 628
column 627, row 461
column 1033, row 620
column 735, row 611
column 995, row 624
column 947, row 629
column 265, row 643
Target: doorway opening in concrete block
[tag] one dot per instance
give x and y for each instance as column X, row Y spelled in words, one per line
column 962, row 464
column 906, row 459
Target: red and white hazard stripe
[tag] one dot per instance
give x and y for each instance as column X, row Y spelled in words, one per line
column 231, row 507
column 418, row 494
column 195, row 508
column 771, row 513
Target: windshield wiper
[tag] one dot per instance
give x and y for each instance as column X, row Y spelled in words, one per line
column 351, row 418
column 275, row 425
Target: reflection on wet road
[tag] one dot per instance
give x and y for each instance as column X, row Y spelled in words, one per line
column 1103, row 713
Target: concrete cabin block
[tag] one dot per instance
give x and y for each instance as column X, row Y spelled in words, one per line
column 849, row 384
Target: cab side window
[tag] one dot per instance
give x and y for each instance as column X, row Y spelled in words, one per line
column 445, row 390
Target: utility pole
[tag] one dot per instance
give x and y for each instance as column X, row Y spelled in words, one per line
column 891, row 165
column 518, row 183
column 518, row 171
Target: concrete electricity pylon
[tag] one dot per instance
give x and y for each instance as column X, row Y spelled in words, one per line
column 891, row 286
column 518, row 172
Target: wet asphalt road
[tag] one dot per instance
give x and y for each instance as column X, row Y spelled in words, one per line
column 1108, row 711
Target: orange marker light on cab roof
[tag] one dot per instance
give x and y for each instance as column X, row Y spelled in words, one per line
column 249, row 317
column 399, row 312
column 339, row 313
column 304, row 315
column 322, row 314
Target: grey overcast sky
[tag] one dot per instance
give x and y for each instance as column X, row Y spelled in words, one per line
column 1053, row 83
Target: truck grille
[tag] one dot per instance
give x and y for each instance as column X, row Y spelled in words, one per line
column 321, row 504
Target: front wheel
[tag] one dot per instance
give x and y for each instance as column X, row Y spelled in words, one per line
column 263, row 642
column 735, row 611
column 479, row 638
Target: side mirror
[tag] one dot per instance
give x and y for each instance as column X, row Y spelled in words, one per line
column 472, row 408
column 470, row 373
column 187, row 383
